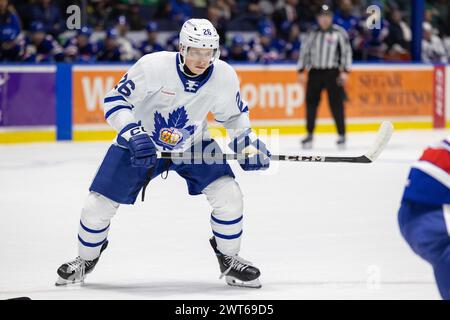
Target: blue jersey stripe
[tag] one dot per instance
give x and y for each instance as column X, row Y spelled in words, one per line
column 91, row 230
column 91, row 245
column 114, row 98
column 226, row 222
column 110, row 112
column 227, row 237
column 128, row 127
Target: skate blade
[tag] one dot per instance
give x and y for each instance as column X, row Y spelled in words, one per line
column 63, row 282
column 341, row 146
column 244, row 284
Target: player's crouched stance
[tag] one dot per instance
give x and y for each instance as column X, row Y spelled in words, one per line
column 162, row 103
column 424, row 215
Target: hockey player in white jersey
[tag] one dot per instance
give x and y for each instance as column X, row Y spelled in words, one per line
column 161, row 103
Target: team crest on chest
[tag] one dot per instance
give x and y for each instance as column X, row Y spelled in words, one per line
column 173, row 132
column 170, row 136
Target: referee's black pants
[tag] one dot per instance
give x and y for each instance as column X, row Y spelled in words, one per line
column 317, row 81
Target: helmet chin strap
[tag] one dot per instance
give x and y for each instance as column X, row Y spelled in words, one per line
column 183, row 67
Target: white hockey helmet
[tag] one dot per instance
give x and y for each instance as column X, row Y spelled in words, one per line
column 199, row 33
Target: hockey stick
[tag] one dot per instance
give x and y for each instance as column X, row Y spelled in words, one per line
column 384, row 134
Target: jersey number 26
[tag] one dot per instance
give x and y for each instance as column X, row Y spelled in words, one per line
column 125, row 86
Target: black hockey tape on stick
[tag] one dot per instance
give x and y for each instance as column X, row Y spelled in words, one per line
column 383, row 136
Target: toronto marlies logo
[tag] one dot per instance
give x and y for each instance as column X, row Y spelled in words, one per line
column 172, row 133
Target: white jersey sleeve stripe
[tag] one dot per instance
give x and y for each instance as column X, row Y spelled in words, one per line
column 446, row 210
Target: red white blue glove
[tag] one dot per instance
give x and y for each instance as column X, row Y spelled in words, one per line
column 143, row 150
column 247, row 143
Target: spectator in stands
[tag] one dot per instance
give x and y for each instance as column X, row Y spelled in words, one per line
column 267, row 47
column 179, row 10
column 399, row 37
column 12, row 41
column 437, row 13
column 9, row 32
column 198, row 3
column 433, row 49
column 97, row 14
column 292, row 48
column 173, row 43
column 128, row 52
column 285, row 16
column 109, row 48
column 227, row 8
column 215, row 15
column 79, row 48
column 253, row 13
column 369, row 43
column 49, row 15
column 151, row 44
column 343, row 17
column 8, row 17
column 42, row 47
column 12, row 46
column 239, row 50
column 134, row 17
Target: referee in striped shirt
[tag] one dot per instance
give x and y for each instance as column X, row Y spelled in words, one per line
column 327, row 54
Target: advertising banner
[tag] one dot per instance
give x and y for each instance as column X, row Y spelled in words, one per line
column 27, row 96
column 90, row 85
column 390, row 92
column 273, row 93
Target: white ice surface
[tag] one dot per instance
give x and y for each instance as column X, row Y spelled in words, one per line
column 316, row 231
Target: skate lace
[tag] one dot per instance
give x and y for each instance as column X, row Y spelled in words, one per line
column 236, row 263
column 75, row 264
column 79, row 265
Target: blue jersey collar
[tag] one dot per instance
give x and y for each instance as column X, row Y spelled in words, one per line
column 193, row 84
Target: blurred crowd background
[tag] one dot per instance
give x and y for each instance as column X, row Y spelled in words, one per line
column 251, row 30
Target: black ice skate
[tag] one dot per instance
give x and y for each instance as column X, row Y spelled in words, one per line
column 341, row 142
column 307, row 143
column 75, row 271
column 237, row 271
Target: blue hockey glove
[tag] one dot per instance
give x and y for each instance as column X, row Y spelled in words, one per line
column 135, row 138
column 247, row 143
